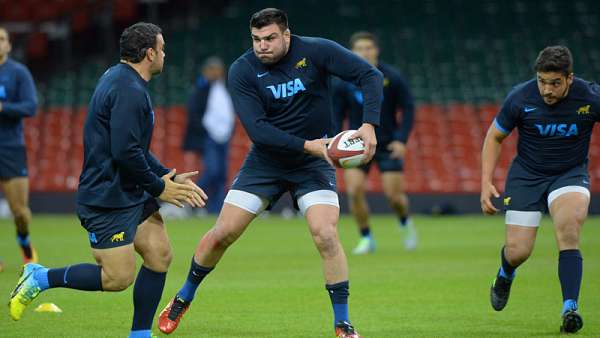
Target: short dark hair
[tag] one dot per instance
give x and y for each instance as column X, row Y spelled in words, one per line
column 554, row 59
column 267, row 16
column 136, row 40
column 363, row 35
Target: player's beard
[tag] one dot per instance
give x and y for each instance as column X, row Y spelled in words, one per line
column 555, row 99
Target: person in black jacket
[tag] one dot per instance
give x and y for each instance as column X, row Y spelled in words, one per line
column 118, row 187
column 282, row 95
column 392, row 135
column 17, row 101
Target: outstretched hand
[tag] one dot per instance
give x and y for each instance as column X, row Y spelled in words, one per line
column 178, row 193
column 199, row 197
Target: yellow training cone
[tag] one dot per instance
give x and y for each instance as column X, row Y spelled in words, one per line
column 48, row 307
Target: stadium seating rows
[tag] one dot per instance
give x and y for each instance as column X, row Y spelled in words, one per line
column 433, row 42
column 443, row 156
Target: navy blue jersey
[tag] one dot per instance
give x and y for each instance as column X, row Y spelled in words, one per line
column 552, row 138
column 18, row 98
column 118, row 169
column 284, row 104
column 348, row 101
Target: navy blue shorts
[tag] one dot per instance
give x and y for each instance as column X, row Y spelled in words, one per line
column 529, row 191
column 13, row 162
column 384, row 161
column 110, row 228
column 268, row 180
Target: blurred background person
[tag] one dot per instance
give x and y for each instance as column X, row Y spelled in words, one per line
column 17, row 101
column 392, row 136
column 210, row 127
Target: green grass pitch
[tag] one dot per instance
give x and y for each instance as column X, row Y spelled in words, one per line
column 269, row 284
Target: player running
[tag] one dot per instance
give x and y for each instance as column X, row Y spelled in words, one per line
column 17, row 101
column 555, row 114
column 391, row 147
column 280, row 89
column 117, row 190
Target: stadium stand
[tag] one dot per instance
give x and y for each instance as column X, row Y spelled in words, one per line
column 459, row 77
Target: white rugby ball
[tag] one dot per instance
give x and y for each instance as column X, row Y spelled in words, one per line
column 346, row 152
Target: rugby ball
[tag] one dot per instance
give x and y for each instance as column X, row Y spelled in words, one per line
column 346, row 152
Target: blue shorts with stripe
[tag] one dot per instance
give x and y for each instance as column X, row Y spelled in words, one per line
column 269, row 179
column 13, row 162
column 527, row 190
column 110, row 228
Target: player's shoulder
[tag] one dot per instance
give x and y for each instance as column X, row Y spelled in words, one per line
column 392, row 73
column 245, row 64
column 585, row 90
column 523, row 91
column 120, row 80
column 317, row 45
column 17, row 66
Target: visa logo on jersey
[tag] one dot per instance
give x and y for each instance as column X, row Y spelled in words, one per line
column 287, row 89
column 561, row 129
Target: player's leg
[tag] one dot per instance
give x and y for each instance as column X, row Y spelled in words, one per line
column 355, row 180
column 524, row 202
column 239, row 209
column 321, row 209
column 152, row 243
column 569, row 208
column 16, row 191
column 114, row 271
column 393, row 188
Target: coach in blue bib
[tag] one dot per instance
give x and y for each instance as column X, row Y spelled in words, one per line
column 555, row 114
column 281, row 92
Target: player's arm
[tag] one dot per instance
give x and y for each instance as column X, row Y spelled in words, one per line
column 406, row 103
column 26, row 104
column 126, row 127
column 340, row 106
column 350, row 67
column 489, row 159
column 251, row 112
column 501, row 127
column 158, row 168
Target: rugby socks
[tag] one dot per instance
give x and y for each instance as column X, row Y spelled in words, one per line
column 195, row 277
column 570, row 271
column 506, row 270
column 147, row 291
column 366, row 232
column 140, row 334
column 339, row 300
column 23, row 241
column 403, row 221
column 87, row 277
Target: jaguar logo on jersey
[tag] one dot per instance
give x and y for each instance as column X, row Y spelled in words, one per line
column 584, row 110
column 386, row 82
column 301, row 64
column 287, row 89
column 557, row 129
column 507, row 201
column 120, row 237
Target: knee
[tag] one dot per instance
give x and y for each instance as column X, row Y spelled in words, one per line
column 517, row 253
column 117, row 280
column 355, row 193
column 326, row 239
column 396, row 199
column 158, row 257
column 221, row 238
column 22, row 215
column 568, row 238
